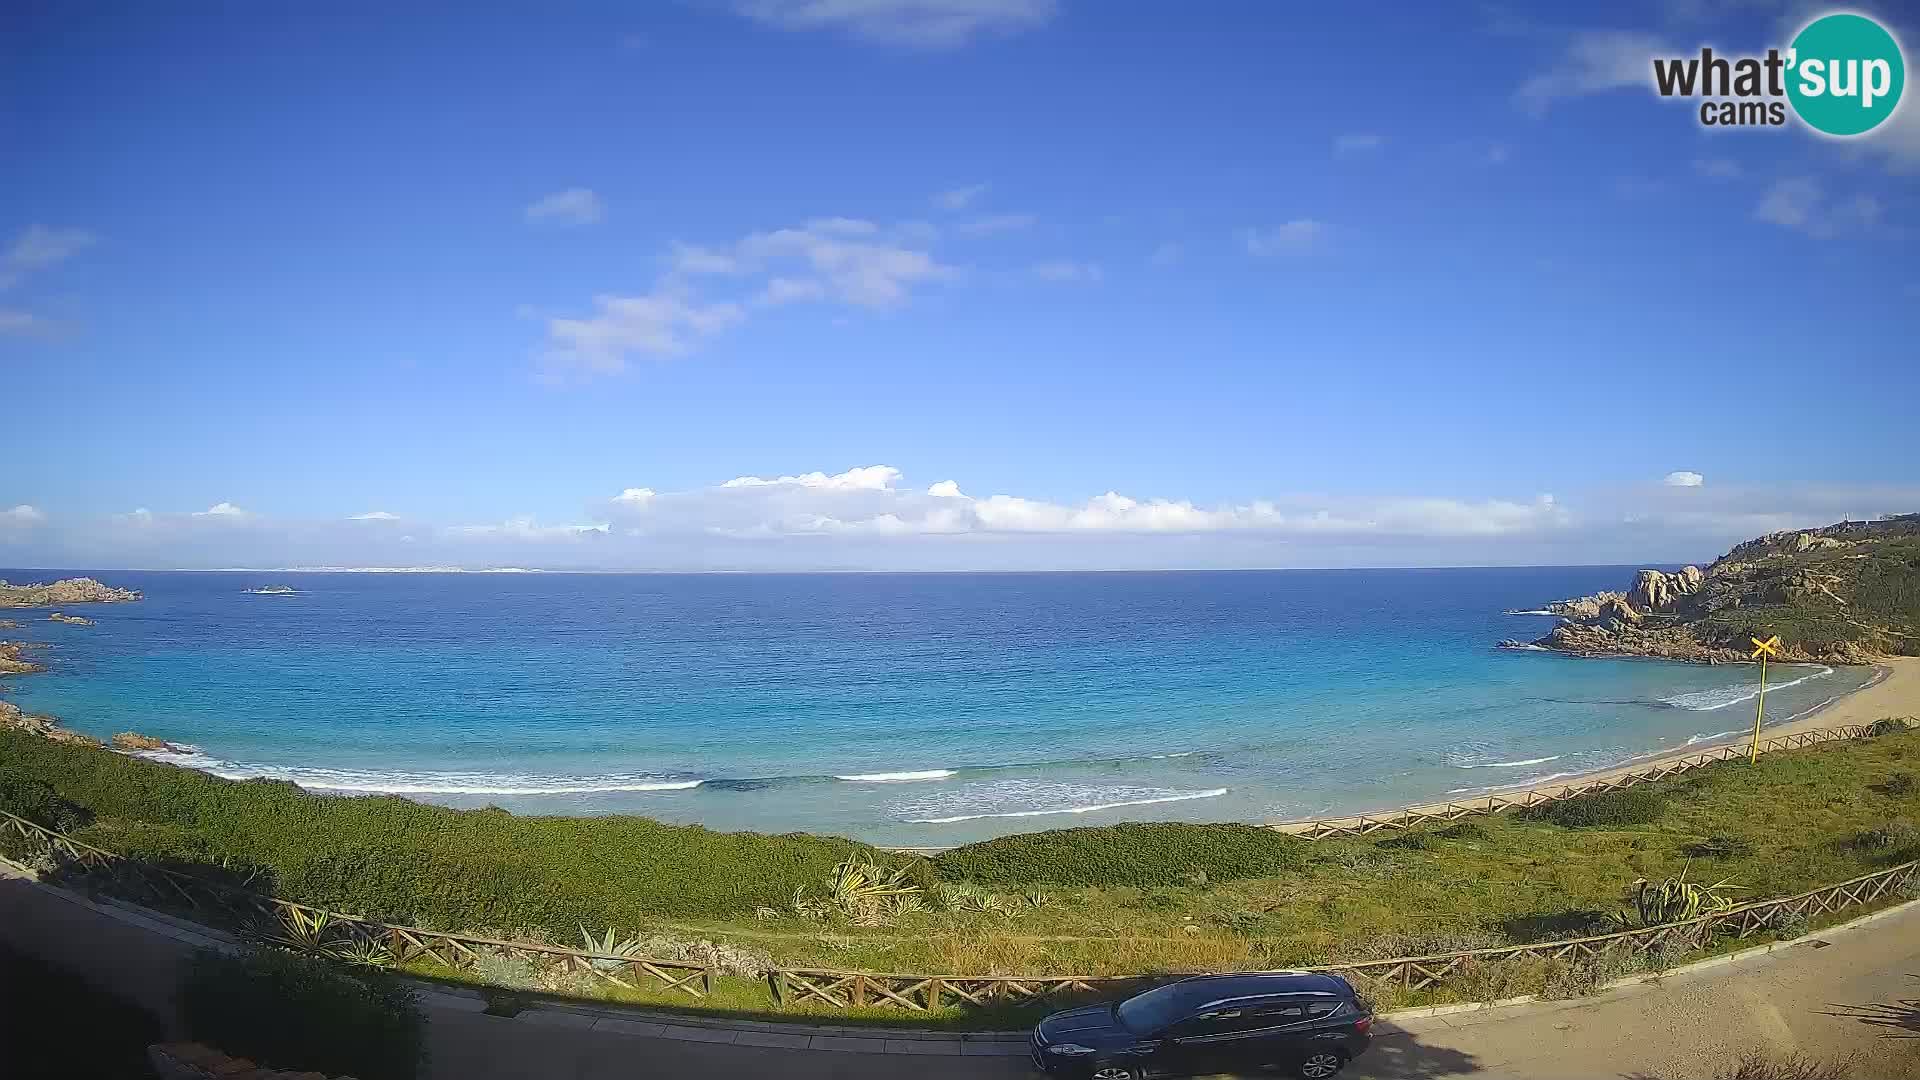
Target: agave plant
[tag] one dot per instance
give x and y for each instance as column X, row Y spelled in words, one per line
column 1037, row 898
column 607, row 948
column 300, row 930
column 859, row 884
column 1678, row 899
column 362, row 952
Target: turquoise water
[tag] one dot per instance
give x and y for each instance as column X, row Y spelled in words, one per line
column 898, row 708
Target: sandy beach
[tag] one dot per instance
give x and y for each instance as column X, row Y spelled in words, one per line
column 1894, row 693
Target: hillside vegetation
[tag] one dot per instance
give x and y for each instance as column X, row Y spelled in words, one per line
column 1847, row 593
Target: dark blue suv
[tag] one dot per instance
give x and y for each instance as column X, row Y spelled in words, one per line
column 1306, row 1023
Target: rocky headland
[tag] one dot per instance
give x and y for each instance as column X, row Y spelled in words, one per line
column 1845, row 594
column 71, row 620
column 60, row 593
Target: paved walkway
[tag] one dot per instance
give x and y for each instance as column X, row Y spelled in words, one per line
column 1857, row 992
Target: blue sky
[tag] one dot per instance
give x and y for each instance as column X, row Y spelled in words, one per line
column 1297, row 285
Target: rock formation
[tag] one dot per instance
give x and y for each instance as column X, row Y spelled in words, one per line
column 133, row 740
column 74, row 620
column 1843, row 594
column 11, row 718
column 70, row 591
column 10, row 662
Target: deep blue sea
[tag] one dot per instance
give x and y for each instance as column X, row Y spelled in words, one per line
column 899, row 708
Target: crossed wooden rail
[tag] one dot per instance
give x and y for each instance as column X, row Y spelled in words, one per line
column 927, row 993
column 1431, row 813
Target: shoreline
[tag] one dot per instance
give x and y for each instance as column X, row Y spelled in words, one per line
column 1894, row 691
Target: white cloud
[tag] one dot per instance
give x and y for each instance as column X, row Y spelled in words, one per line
column 525, row 528
column 1801, row 203
column 1357, row 143
column 221, row 510
column 14, row 321
column 1718, row 168
column 1684, row 478
column 21, row 515
column 1299, row 237
column 996, row 223
column 39, row 247
column 375, row 515
column 959, row 198
column 574, row 206
column 946, row 489
column 859, row 478
column 1066, row 270
column 1594, row 61
column 635, row 496
column 836, row 259
column 657, row 324
column 919, row 23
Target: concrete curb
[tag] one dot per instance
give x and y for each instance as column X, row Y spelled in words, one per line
column 654, row 1024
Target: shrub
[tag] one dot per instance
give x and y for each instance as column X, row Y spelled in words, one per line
column 1141, row 853
column 1899, row 785
column 396, row 860
column 1892, row 836
column 1720, row 846
column 296, row 1013
column 1464, row 830
column 24, row 796
column 1408, row 841
column 1604, row 810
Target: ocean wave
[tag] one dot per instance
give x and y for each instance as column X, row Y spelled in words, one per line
column 1023, row 798
column 1531, row 611
column 381, row 782
column 1724, row 696
column 1522, row 646
column 898, row 777
column 1700, row 737
column 1503, row 764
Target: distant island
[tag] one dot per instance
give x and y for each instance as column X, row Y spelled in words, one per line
column 78, row 590
column 1845, row 594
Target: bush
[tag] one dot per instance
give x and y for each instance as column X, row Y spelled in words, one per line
column 25, row 796
column 1892, row 836
column 1141, row 853
column 1408, row 841
column 393, row 859
column 1899, row 785
column 1720, row 846
column 296, row 1013
column 1604, row 810
column 1464, row 830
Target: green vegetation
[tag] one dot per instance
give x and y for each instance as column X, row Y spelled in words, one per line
column 1605, row 810
column 1768, row 587
column 1144, row 854
column 294, row 1012
column 1130, row 899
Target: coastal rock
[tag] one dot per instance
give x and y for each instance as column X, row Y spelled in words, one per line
column 133, row 740
column 1654, row 590
column 72, row 620
column 10, row 662
column 68, row 591
column 9, row 624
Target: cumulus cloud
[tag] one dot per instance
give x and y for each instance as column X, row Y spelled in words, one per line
column 841, row 260
column 1802, row 204
column 1067, row 270
column 574, row 206
column 916, row 23
column 635, row 496
column 21, row 515
column 221, row 510
column 859, row 478
column 375, row 515
column 37, row 248
column 1298, row 237
column 1593, row 62
column 959, row 198
column 1683, row 478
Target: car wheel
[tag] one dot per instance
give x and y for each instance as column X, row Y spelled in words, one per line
column 1109, row 1071
column 1320, row 1064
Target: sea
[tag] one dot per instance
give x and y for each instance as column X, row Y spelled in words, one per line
column 902, row 709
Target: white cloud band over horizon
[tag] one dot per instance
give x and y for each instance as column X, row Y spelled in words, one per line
column 869, row 518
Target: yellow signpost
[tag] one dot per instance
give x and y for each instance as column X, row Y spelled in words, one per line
column 1761, row 650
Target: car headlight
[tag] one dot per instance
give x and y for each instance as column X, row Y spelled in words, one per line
column 1070, row 1049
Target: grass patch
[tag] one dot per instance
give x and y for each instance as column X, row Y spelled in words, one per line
column 1141, row 854
column 1604, row 810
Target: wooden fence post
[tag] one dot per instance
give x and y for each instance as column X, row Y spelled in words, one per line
column 934, row 986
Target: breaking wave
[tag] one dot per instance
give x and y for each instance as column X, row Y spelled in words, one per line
column 395, row 782
column 1724, row 696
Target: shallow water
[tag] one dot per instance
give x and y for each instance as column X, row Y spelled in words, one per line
column 899, row 708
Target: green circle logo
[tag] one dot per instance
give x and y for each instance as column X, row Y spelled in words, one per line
column 1845, row 74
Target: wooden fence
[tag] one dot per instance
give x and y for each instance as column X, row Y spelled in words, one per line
column 1432, row 813
column 1466, row 973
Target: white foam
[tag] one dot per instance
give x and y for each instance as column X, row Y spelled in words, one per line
column 1525, row 647
column 987, row 799
column 1701, row 737
column 375, row 782
column 1505, row 764
column 1724, row 696
column 898, row 777
column 1531, row 611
